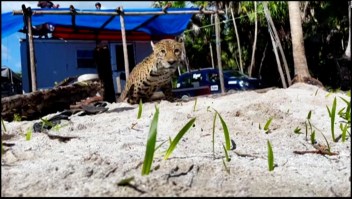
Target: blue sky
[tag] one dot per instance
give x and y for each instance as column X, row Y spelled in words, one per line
column 10, row 46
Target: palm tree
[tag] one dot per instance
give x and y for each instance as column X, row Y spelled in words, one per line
column 299, row 57
column 348, row 48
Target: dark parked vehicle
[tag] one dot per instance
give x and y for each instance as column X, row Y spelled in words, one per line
column 206, row 81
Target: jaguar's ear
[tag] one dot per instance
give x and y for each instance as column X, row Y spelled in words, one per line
column 152, row 44
column 179, row 39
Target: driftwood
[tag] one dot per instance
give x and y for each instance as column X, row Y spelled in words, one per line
column 37, row 104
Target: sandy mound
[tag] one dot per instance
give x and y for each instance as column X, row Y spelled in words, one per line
column 110, row 147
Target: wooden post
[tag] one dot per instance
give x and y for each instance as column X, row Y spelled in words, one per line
column 31, row 49
column 24, row 11
column 102, row 59
column 218, row 51
column 124, row 43
column 211, row 55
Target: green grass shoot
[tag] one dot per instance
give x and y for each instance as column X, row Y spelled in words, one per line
column 347, row 114
column 332, row 114
column 170, row 140
column 46, row 122
column 213, row 134
column 3, row 125
column 326, row 141
column 226, row 154
column 267, row 124
column 17, row 117
column 126, row 181
column 226, row 168
column 156, row 148
column 344, row 131
column 316, row 92
column 140, row 108
column 178, row 138
column 306, row 125
column 226, row 133
column 28, row 134
column 297, row 130
column 270, row 157
column 195, row 104
column 2, row 148
column 150, row 148
column 309, row 115
column 310, row 126
column 208, row 109
column 312, row 137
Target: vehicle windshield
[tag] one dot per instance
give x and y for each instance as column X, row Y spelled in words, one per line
column 233, row 73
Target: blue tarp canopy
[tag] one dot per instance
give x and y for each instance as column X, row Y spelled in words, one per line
column 160, row 25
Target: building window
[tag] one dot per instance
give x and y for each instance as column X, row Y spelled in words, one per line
column 85, row 59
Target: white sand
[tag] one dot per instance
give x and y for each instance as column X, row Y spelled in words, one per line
column 109, row 149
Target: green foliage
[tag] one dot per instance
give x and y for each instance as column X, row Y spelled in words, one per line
column 126, row 181
column 175, row 4
column 226, row 132
column 345, row 114
column 297, row 130
column 312, row 137
column 270, row 157
column 344, row 129
column 156, row 148
column 267, row 124
column 226, row 168
column 17, row 117
column 309, row 115
column 3, row 125
column 310, row 125
column 29, row 134
column 226, row 154
column 195, row 104
column 178, row 138
column 2, row 148
column 213, row 133
column 46, row 122
column 140, row 108
column 332, row 115
column 150, row 148
column 326, row 141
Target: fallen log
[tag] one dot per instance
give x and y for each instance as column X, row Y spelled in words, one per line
column 31, row 106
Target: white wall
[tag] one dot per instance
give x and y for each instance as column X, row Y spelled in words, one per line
column 56, row 60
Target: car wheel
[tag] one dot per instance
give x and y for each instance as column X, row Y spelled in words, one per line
column 185, row 97
column 231, row 91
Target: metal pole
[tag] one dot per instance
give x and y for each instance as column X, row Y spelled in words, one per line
column 111, row 13
column 218, row 51
column 124, row 44
column 31, row 49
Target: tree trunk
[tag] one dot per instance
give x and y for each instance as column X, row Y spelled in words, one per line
column 40, row 103
column 255, row 41
column 237, row 39
column 218, row 50
column 282, row 76
column 348, row 49
column 299, row 57
column 275, row 35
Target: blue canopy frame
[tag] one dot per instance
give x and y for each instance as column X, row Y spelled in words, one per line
column 160, row 25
